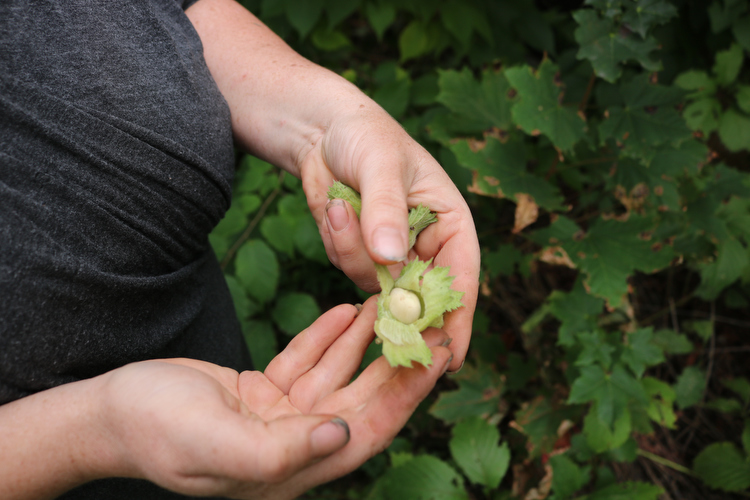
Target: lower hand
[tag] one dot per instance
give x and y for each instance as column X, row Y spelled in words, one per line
column 200, row 429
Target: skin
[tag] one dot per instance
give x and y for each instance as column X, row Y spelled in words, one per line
column 202, row 429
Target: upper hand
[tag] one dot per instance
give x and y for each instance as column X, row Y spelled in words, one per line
column 371, row 152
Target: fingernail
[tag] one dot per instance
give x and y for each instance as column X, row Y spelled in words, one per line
column 338, row 215
column 389, row 244
column 447, row 342
column 447, row 364
column 329, row 437
column 459, row 368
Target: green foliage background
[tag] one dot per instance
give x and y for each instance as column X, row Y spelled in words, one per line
column 603, row 148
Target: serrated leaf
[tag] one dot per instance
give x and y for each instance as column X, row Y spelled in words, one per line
column 661, row 404
column 540, row 419
column 478, row 394
column 646, row 119
column 731, row 261
column 611, row 251
column 480, row 105
column 689, row 387
column 641, row 351
column 459, row 19
column 728, row 64
column 723, row 466
column 596, row 350
column 539, row 107
column 295, row 311
column 577, row 311
column 642, row 15
column 611, row 391
column 500, row 170
column 423, row 477
column 734, row 130
column 672, row 342
column 603, row 436
column 607, row 46
column 627, row 491
column 686, row 159
column 257, row 268
column 474, row 447
column 567, row 476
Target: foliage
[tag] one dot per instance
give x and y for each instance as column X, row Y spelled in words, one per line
column 603, row 148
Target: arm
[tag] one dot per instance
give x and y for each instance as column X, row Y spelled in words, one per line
column 320, row 127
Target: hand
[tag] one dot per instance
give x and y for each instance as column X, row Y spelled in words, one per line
column 370, row 152
column 201, row 429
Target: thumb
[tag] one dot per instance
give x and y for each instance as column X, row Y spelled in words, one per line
column 292, row 443
column 385, row 218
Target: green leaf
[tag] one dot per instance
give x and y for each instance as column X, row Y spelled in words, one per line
column 474, row 447
column 743, row 96
column 602, row 436
column 611, row 251
column 459, row 19
column 596, row 349
column 478, row 394
column 577, row 311
column 501, row 172
column 502, row 262
column 672, row 342
column 696, row 80
column 480, row 105
column 661, row 404
column 540, row 419
column 393, row 96
column 728, row 64
column 740, row 386
column 294, row 312
column 303, row 14
column 646, row 119
column 723, row 466
column 233, row 222
column 607, row 46
column 415, row 40
column 338, row 10
column 611, row 392
column 704, row 329
column 329, row 40
column 567, row 476
column 279, row 233
column 261, row 341
column 734, row 130
column 423, row 478
column 539, row 109
column 641, row 351
column 244, row 307
column 741, row 32
column 626, row 491
column 257, row 269
column 689, row 387
column 724, row 405
column 726, row 269
column 746, row 437
column 686, row 159
column 703, row 115
column 380, row 15
column 648, row 13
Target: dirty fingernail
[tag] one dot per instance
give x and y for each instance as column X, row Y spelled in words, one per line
column 329, row 437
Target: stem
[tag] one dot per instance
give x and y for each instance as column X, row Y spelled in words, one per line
column 587, row 95
column 665, row 462
column 250, row 227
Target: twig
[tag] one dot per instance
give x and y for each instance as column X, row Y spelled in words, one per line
column 665, row 462
column 250, row 227
column 711, row 349
column 658, row 314
column 585, row 101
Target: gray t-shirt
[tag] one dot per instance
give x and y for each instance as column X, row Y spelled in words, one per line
column 116, row 161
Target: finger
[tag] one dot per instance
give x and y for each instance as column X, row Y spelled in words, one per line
column 306, row 349
column 257, row 452
column 339, row 363
column 347, row 245
column 453, row 243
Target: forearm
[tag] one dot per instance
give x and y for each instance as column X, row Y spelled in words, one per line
column 50, row 442
column 281, row 103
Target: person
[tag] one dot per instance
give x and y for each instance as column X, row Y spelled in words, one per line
column 122, row 373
